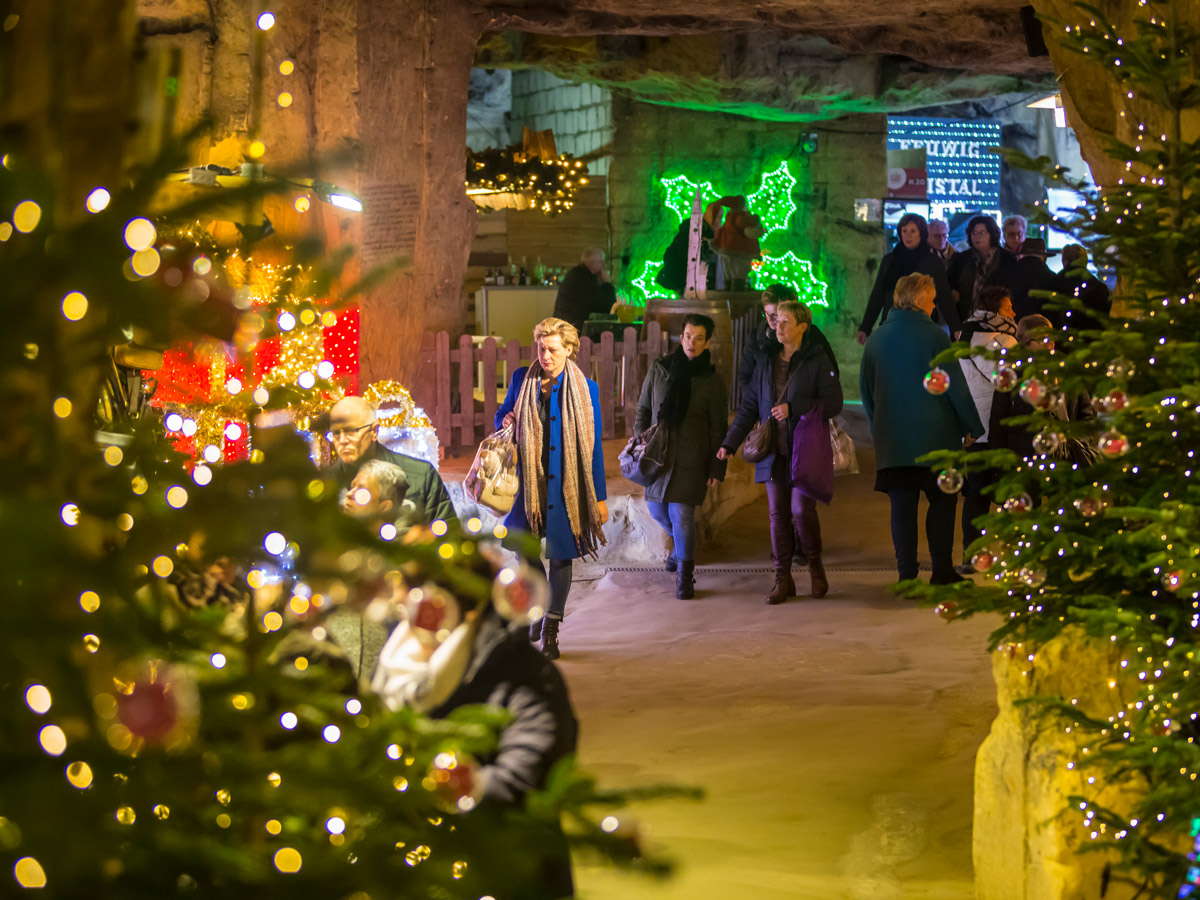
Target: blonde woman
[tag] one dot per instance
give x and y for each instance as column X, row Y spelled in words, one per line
column 556, row 410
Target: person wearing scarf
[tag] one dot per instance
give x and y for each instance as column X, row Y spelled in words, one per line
column 556, row 411
column 451, row 650
column 993, row 326
column 984, row 263
column 912, row 254
column 684, row 394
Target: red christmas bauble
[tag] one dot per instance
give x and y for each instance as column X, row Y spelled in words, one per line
column 150, row 711
column 937, row 381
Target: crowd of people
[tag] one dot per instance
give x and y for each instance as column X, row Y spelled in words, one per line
column 926, row 293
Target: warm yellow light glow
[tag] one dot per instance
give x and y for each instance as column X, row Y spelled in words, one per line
column 272, row 621
column 79, row 774
column 163, row 566
column 70, row 514
column 38, row 698
column 145, row 262
column 256, row 150
column 124, row 521
column 288, row 860
column 62, row 407
column 26, row 216
column 97, row 200
column 274, row 826
column 287, row 67
column 126, row 815
column 266, row 21
column 177, row 497
column 302, row 204
column 91, row 643
column 284, row 99
column 140, row 234
column 113, row 455
column 53, row 740
column 6, row 231
column 28, row 871
column 74, row 306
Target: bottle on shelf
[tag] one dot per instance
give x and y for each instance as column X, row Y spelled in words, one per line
column 539, row 272
column 490, row 277
column 512, row 273
column 500, row 278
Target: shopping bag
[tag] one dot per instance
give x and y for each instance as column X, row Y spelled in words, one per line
column 492, row 481
column 812, row 456
column 845, row 459
column 645, row 456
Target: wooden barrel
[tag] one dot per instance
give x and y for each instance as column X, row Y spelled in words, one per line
column 669, row 314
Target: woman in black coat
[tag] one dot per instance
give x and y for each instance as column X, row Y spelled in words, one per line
column 985, row 263
column 912, row 253
column 783, row 388
column 684, row 393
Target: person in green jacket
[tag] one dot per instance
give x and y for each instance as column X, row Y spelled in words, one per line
column 354, row 435
column 907, row 421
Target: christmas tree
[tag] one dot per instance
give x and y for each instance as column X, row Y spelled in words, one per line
column 174, row 717
column 1110, row 547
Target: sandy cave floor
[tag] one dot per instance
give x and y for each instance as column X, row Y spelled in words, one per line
column 835, row 738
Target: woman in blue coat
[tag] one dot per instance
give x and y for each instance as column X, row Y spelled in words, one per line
column 556, row 411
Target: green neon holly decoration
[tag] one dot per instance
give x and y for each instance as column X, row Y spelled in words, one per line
column 773, row 202
column 644, row 284
column 792, row 270
column 681, row 192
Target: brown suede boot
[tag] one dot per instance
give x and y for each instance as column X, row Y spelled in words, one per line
column 816, row 570
column 784, row 587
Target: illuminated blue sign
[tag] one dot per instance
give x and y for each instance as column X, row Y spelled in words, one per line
column 962, row 174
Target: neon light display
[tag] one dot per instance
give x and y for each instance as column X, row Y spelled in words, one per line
column 772, row 202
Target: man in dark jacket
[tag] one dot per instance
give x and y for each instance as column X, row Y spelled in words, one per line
column 761, row 342
column 1030, row 273
column 586, row 289
column 354, row 434
column 1089, row 288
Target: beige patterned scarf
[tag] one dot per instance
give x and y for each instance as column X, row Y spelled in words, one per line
column 578, row 444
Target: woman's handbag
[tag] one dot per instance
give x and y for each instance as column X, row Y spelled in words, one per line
column 760, row 442
column 845, row 460
column 812, row 456
column 645, row 456
column 492, row 481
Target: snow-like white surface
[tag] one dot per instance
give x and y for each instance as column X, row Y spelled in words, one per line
column 835, row 738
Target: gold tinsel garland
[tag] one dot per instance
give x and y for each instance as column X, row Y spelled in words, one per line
column 394, row 394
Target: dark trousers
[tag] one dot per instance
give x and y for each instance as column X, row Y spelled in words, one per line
column 792, row 513
column 939, row 527
column 559, row 577
column 975, row 504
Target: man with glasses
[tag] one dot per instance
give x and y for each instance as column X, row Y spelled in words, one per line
column 1014, row 228
column 761, row 342
column 939, row 240
column 354, row 436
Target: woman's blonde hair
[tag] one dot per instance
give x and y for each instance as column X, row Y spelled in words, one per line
column 909, row 290
column 801, row 313
column 564, row 329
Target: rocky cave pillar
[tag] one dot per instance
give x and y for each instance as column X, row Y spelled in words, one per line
column 414, row 69
column 1093, row 97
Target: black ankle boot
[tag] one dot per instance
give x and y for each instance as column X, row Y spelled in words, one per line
column 685, row 583
column 535, row 630
column 671, row 563
column 550, row 638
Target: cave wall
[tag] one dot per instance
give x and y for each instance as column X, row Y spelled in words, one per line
column 849, row 163
column 579, row 114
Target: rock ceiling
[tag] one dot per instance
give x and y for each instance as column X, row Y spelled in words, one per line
column 795, row 60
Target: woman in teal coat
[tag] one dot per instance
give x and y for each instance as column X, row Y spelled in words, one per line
column 556, row 411
column 907, row 421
